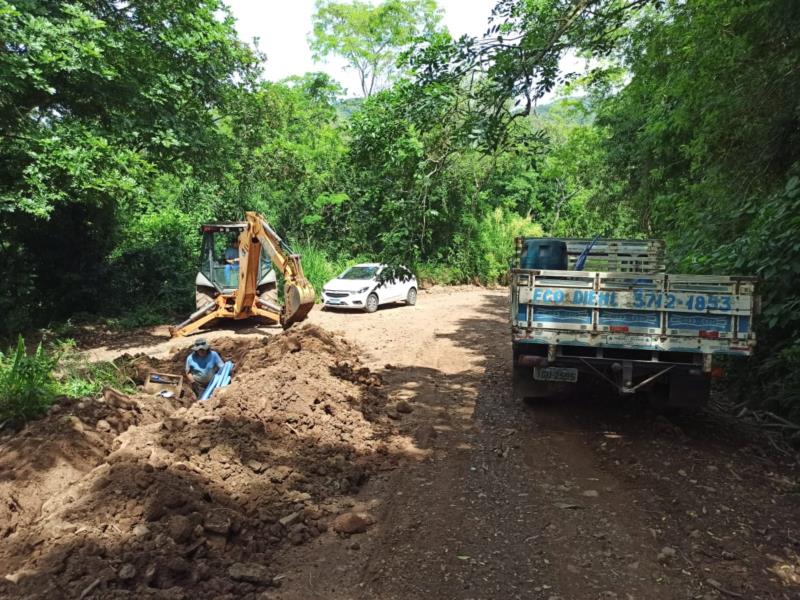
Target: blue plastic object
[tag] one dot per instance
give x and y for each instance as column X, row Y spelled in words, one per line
column 585, row 254
column 221, row 379
column 543, row 253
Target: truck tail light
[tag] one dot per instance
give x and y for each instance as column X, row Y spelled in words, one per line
column 618, row 329
column 527, row 360
column 717, row 373
column 709, row 335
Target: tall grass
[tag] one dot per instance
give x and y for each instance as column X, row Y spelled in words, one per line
column 319, row 267
column 30, row 381
column 27, row 383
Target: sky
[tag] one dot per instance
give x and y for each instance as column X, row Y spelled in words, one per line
column 282, row 27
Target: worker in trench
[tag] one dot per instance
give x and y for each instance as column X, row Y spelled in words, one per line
column 201, row 365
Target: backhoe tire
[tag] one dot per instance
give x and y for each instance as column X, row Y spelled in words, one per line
column 270, row 295
column 411, row 297
column 203, row 296
column 372, row 303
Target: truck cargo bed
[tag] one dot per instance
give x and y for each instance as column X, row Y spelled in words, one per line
column 600, row 312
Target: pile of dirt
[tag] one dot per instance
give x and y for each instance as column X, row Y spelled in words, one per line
column 142, row 497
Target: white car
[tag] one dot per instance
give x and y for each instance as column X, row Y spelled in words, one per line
column 369, row 285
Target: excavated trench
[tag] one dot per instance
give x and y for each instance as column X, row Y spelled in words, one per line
column 146, row 497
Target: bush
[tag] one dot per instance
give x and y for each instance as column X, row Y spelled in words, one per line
column 27, row 384
column 430, row 273
column 498, row 229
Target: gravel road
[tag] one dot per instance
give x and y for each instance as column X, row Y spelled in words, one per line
column 495, row 499
column 593, row 498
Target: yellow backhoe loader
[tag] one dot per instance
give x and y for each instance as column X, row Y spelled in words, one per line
column 240, row 283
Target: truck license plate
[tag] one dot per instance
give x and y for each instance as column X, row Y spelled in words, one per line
column 555, row 374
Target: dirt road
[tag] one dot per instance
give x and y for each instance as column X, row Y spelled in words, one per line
column 470, row 495
column 590, row 499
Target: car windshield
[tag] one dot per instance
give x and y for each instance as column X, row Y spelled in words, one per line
column 359, row 273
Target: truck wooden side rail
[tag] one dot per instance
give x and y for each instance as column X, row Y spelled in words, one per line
column 633, row 331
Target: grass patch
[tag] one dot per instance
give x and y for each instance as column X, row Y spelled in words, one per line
column 78, row 377
column 31, row 380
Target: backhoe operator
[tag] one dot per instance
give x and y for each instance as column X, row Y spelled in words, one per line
column 232, row 262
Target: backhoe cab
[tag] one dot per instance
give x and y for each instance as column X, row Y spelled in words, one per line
column 237, row 276
column 219, row 274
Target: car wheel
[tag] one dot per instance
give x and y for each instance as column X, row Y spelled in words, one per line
column 411, row 297
column 372, row 303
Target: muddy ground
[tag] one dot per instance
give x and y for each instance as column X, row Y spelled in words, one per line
column 381, row 456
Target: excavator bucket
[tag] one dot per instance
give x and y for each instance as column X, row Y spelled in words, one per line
column 298, row 300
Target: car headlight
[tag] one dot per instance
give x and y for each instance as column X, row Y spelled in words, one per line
column 362, row 290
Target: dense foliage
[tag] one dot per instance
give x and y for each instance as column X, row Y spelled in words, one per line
column 126, row 125
column 704, row 148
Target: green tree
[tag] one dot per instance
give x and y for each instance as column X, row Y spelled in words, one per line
column 98, row 101
column 371, row 38
column 517, row 62
column 703, row 146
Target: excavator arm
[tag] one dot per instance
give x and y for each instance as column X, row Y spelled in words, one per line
column 298, row 293
column 244, row 302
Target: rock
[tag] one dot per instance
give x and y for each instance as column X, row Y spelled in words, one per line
column 351, row 523
column 142, row 480
column 179, row 565
column 218, row 521
column 278, row 474
column 16, row 576
column 299, row 528
column 256, row 466
column 666, row 554
column 140, row 530
column 293, row 344
column 127, row 572
column 250, row 573
column 728, row 555
column 180, row 529
column 289, row 520
column 150, row 573
column 103, row 425
column 590, row 493
column 403, row 407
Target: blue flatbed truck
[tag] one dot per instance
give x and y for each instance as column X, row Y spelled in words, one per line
column 624, row 323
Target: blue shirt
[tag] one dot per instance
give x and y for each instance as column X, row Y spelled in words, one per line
column 202, row 368
column 232, row 254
